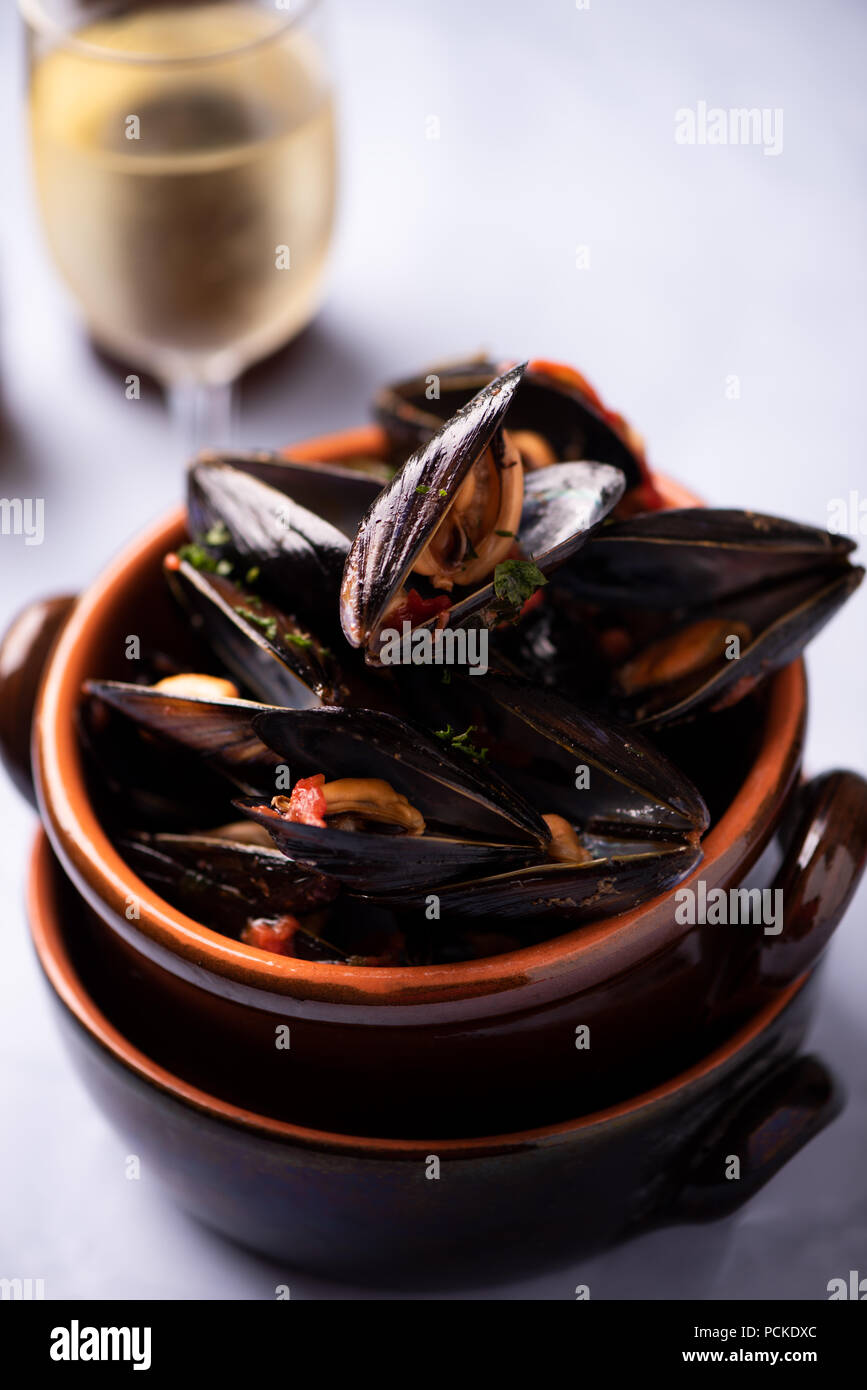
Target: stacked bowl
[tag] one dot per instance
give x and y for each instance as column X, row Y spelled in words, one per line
column 453, row 1117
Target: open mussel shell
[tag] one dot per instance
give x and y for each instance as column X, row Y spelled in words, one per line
column 220, row 731
column 563, row 506
column 450, row 790
column 296, row 555
column 553, row 403
column 407, row 513
column 377, row 863
column 773, row 625
column 542, row 741
column 571, row 893
column 339, row 496
column 412, row 410
column 697, row 555
column 137, row 781
column 223, row 882
column 263, row 648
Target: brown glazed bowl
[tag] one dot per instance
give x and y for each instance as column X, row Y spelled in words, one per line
column 429, row 1210
column 452, row 1049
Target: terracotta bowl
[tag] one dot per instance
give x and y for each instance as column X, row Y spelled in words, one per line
column 415, row 1050
column 427, row 1210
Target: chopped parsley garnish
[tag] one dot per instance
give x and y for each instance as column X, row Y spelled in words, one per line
column 298, row 639
column 422, row 490
column 252, row 575
column 201, row 560
column 504, row 533
column 462, row 743
column 218, row 534
column 517, row 580
column 268, row 626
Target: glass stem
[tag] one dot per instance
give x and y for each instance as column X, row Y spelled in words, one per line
column 204, row 415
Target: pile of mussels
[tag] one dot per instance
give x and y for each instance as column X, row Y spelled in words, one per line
column 427, row 713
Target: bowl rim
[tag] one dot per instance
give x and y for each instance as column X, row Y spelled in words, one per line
column 44, row 915
column 103, row 876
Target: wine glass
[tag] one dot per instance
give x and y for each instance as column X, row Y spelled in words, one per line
column 185, row 167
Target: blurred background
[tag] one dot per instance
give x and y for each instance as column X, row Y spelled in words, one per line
column 510, row 181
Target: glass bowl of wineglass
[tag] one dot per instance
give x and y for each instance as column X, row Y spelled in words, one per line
column 184, row 161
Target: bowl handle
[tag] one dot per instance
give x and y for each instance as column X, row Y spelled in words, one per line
column 824, row 860
column 24, row 649
column 763, row 1129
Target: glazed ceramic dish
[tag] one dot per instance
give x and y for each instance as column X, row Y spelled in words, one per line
column 409, row 1050
column 436, row 1208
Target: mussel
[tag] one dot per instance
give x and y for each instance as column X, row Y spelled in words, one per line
column 220, row 731
column 297, row 557
column 328, row 492
column 395, row 814
column 223, row 879
column 381, row 804
column 555, row 416
column 279, row 659
column 703, row 603
column 461, row 535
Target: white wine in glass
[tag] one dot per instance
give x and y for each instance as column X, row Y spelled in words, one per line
column 185, row 170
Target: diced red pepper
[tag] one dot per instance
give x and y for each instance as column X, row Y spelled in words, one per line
column 271, row 933
column 415, row 609
column 534, row 601
column 307, row 805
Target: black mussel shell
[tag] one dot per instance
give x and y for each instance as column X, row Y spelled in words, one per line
column 406, row 514
column 223, row 883
column 540, row 741
column 547, row 403
column 451, row 791
column 136, row 781
column 367, row 863
column 340, row 496
column 411, row 411
column 781, row 621
column 694, row 556
column 263, row 648
column 296, row 555
column 571, row 893
column 220, row 731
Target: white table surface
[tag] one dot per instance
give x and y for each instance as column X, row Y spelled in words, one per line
column 557, row 130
